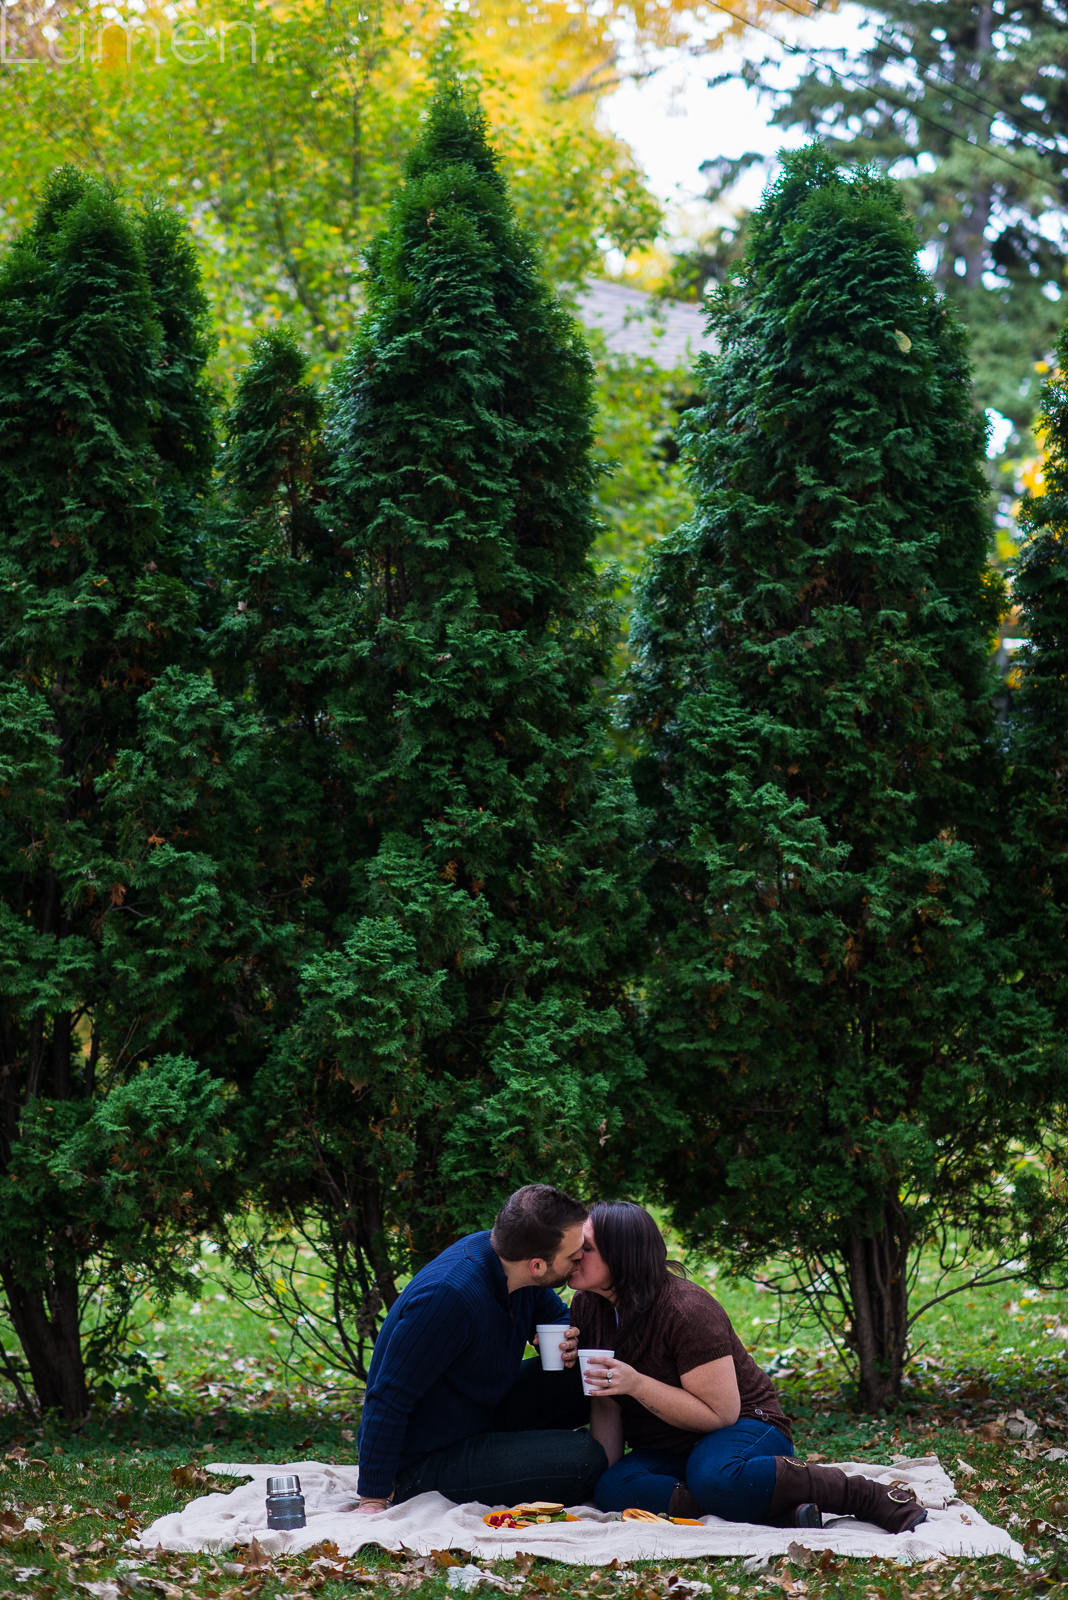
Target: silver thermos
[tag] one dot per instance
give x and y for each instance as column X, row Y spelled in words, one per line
column 285, row 1503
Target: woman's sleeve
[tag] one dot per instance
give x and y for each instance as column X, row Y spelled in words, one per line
column 702, row 1333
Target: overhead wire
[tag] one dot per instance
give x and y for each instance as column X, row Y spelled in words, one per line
column 961, row 94
column 887, row 94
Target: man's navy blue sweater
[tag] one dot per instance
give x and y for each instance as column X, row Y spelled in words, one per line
column 448, row 1353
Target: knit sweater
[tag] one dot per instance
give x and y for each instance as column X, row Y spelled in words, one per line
column 448, row 1353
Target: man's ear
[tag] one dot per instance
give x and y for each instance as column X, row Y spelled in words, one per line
column 537, row 1266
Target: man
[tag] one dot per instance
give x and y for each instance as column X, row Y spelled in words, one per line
column 450, row 1403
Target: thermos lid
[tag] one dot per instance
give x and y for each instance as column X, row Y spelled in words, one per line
column 288, row 1483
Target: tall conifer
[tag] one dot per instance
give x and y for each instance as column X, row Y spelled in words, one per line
column 111, row 920
column 814, row 699
column 462, row 1019
column 1038, row 908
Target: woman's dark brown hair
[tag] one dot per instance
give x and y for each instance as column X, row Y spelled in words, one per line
column 634, row 1252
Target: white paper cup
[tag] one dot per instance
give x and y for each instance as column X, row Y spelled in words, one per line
column 549, row 1337
column 596, row 1356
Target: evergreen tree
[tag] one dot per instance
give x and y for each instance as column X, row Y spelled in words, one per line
column 112, row 926
column 463, row 936
column 959, row 100
column 1039, row 727
column 813, row 691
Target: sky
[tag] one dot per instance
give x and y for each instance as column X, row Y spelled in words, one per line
column 673, row 121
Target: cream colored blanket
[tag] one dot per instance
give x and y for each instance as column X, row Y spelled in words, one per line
column 430, row 1522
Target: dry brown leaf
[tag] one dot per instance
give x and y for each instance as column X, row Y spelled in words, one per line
column 328, row 1564
column 258, row 1559
column 169, row 1591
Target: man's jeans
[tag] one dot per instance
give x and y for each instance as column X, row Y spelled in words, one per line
column 534, row 1452
column 730, row 1473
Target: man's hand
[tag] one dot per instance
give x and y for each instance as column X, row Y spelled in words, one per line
column 368, row 1505
column 569, row 1346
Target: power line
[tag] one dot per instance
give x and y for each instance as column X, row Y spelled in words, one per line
column 969, row 98
column 887, row 94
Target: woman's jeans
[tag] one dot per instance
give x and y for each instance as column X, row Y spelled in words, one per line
column 730, row 1473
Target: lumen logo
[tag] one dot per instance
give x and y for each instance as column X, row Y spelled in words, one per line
column 30, row 40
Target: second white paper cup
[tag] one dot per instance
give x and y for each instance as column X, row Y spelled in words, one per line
column 596, row 1356
column 549, row 1336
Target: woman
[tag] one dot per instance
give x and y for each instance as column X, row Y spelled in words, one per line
column 703, row 1429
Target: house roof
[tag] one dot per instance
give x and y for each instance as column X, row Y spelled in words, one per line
column 634, row 323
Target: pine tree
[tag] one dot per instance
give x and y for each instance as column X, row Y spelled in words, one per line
column 468, row 918
column 814, row 698
column 111, row 922
column 957, row 98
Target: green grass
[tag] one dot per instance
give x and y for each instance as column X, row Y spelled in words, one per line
column 226, row 1395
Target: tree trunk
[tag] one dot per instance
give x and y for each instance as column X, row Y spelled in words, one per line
column 45, row 1320
column 878, row 1291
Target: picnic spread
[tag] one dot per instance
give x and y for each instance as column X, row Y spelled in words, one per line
column 428, row 1522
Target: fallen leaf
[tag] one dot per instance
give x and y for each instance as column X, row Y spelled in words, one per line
column 683, row 1588
column 257, row 1559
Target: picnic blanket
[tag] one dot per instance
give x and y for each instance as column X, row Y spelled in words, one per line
column 430, row 1522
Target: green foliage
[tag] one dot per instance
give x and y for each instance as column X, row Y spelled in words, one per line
column 426, row 651
column 642, row 494
column 111, row 921
column 828, row 999
column 1040, row 801
column 958, row 100
column 281, row 133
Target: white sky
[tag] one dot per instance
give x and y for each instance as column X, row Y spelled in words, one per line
column 674, row 121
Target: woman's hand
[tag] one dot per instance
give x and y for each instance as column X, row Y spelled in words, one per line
column 611, row 1378
column 707, row 1400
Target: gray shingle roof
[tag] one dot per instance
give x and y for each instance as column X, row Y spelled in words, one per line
column 633, row 323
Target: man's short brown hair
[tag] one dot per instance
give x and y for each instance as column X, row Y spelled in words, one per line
column 532, row 1222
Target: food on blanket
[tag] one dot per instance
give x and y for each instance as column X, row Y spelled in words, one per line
column 636, row 1514
column 527, row 1515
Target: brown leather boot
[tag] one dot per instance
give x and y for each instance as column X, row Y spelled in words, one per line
column 895, row 1509
column 790, row 1503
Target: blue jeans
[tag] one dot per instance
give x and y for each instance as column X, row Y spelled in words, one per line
column 730, row 1473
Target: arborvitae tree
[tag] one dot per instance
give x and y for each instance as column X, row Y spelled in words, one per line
column 813, row 693
column 1039, row 724
column 958, row 98
column 461, row 1024
column 111, row 926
